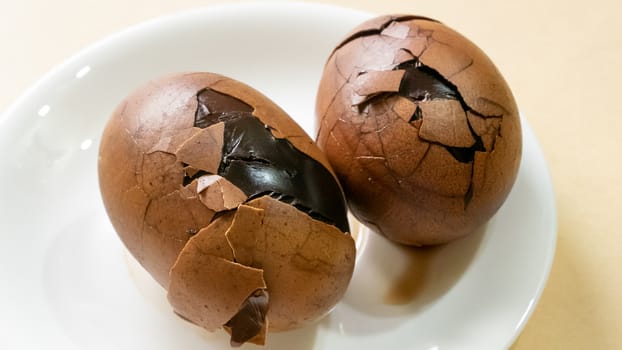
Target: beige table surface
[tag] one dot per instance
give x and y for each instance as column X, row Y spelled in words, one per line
column 563, row 60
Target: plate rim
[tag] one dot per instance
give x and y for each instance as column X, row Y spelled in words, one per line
column 553, row 229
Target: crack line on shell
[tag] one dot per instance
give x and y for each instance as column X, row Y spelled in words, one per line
column 383, row 26
column 431, row 40
column 337, row 141
column 202, row 251
column 142, row 230
column 417, row 64
column 136, row 172
column 465, row 106
column 469, row 192
column 309, row 262
column 487, row 100
column 233, row 253
column 333, row 99
column 370, row 99
column 370, row 157
column 194, row 230
column 471, row 62
column 409, row 52
column 494, row 140
column 144, row 227
column 395, row 176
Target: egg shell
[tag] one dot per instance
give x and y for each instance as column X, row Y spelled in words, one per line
column 251, row 262
column 303, row 263
column 420, row 127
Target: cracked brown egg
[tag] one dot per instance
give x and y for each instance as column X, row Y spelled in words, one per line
column 420, row 127
column 228, row 204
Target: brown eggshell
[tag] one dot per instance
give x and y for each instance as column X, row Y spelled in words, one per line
column 218, row 194
column 153, row 122
column 207, row 287
column 156, row 122
column 227, row 260
column 307, row 264
column 420, row 127
column 191, row 151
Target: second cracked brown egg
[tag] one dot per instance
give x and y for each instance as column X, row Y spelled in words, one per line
column 228, row 204
column 420, row 127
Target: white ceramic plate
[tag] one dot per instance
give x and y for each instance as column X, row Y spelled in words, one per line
column 68, row 283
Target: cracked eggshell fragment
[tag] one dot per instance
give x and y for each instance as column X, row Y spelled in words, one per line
column 207, row 286
column 192, row 150
column 307, row 264
column 420, row 127
column 218, row 194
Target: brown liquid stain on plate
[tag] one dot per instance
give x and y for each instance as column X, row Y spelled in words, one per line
column 411, row 282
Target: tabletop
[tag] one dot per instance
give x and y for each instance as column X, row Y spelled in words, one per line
column 562, row 61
